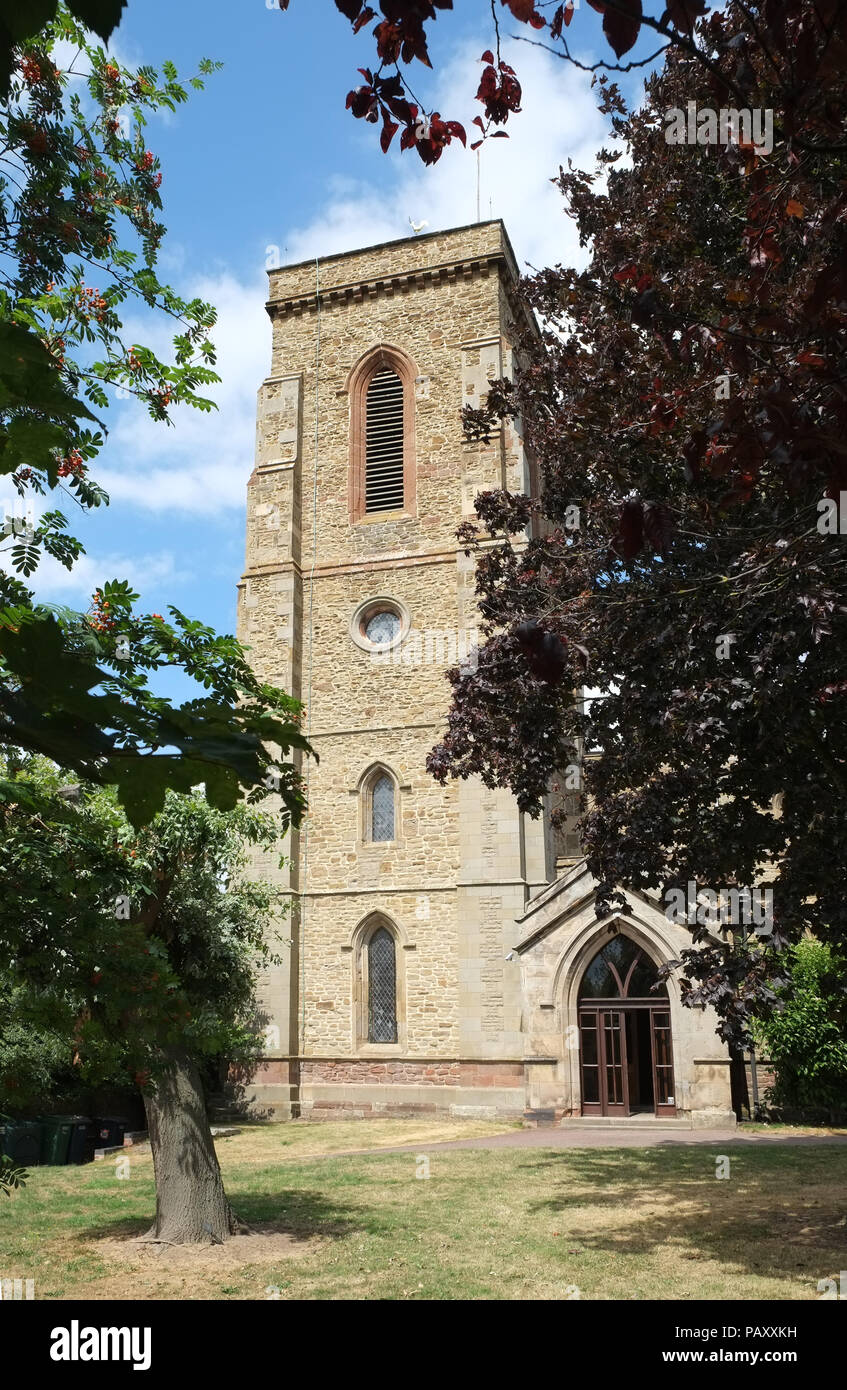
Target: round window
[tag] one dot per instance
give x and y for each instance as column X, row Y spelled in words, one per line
column 379, row 624
column 382, row 626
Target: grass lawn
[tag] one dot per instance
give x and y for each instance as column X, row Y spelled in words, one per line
column 502, row 1223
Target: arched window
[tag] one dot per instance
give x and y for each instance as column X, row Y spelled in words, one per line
column 382, row 434
column 384, row 437
column 621, row 970
column 382, row 808
column 382, row 988
column 379, row 945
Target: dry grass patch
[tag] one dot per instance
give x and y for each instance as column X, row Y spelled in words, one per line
column 514, row 1223
column 314, row 1138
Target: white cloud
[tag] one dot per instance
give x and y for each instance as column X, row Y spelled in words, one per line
column 52, row 583
column 202, row 464
column 559, row 120
column 74, row 61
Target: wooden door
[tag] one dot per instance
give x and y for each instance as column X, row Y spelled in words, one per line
column 603, row 1062
column 615, row 1089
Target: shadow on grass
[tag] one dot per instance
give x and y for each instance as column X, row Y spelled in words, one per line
column 774, row 1214
column 301, row 1214
column 597, row 1167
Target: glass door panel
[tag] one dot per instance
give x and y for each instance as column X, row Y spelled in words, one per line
column 589, row 1050
column 613, row 1043
column 660, row 1020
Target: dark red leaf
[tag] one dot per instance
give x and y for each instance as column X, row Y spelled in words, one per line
column 389, row 41
column 406, row 113
column 682, row 13
column 525, row 11
column 349, row 8
column 630, row 536
column 545, row 652
column 389, row 130
column 487, row 57
column 362, row 102
column 645, row 308
column 364, row 18
column 692, row 451
column 658, row 526
column 621, row 28
column 500, row 94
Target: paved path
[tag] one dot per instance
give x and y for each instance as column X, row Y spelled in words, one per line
column 560, row 1137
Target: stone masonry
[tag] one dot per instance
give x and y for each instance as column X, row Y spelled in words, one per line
column 464, row 865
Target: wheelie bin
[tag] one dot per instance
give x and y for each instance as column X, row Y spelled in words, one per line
column 20, row 1140
column 56, row 1138
column 81, row 1144
column 109, row 1131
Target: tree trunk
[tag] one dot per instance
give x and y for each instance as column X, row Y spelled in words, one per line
column 191, row 1204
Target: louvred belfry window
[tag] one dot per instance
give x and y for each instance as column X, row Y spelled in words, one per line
column 384, row 443
column 382, row 472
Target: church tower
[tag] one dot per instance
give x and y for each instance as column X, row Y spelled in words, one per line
column 442, row 952
column 399, row 990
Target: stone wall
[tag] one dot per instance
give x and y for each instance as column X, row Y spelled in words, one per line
column 445, row 301
column 488, row 956
column 558, row 936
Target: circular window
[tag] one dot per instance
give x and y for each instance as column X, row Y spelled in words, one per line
column 382, row 627
column 379, row 623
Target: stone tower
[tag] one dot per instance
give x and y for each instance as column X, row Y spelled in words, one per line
column 442, row 952
column 356, row 599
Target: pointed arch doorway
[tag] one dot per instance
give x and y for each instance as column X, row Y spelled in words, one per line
column 626, row 1054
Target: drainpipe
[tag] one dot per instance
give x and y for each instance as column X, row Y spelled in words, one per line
column 754, row 1079
column 754, row 1074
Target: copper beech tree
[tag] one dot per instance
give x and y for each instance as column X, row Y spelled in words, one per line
column 400, row 29
column 688, row 395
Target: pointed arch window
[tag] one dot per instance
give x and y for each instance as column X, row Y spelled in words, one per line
column 382, row 987
column 382, row 808
column 382, row 434
column 621, row 970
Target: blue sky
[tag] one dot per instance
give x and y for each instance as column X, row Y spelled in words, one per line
column 267, row 161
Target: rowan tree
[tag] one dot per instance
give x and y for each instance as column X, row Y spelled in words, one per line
column 80, row 233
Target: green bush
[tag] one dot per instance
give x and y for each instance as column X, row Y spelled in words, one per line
column 37, row 1068
column 35, row 1063
column 805, row 1040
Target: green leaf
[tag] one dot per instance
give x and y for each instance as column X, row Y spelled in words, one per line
column 42, row 411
